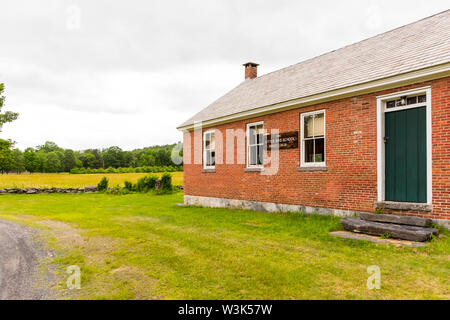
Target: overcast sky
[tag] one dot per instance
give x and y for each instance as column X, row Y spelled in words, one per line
column 100, row 73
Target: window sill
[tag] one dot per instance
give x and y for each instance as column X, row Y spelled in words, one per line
column 312, row 169
column 212, row 170
column 254, row 169
column 394, row 205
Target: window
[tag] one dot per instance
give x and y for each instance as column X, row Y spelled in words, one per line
column 209, row 150
column 313, row 138
column 255, row 144
column 406, row 101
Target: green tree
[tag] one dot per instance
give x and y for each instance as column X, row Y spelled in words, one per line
column 42, row 159
column 113, row 157
column 69, row 160
column 19, row 162
column 6, row 155
column 98, row 163
column 52, row 162
column 31, row 160
column 88, row 160
column 48, row 146
column 7, row 116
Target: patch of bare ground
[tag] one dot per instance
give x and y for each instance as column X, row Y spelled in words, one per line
column 101, row 274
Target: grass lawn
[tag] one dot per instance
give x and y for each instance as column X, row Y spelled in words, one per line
column 143, row 246
column 66, row 180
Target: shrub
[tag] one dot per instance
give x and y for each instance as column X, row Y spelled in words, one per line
column 103, row 184
column 166, row 182
column 146, row 183
column 110, row 170
column 75, row 171
column 129, row 185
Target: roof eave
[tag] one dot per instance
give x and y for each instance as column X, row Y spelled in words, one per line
column 429, row 73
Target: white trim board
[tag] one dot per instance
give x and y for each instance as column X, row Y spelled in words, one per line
column 381, row 109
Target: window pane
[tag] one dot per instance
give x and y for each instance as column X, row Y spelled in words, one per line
column 208, row 158
column 259, row 138
column 252, row 135
column 390, row 104
column 422, row 98
column 260, row 155
column 309, row 150
column 318, row 124
column 308, row 129
column 213, row 158
column 207, row 141
column 319, row 155
column 253, row 155
column 411, row 100
column 213, row 142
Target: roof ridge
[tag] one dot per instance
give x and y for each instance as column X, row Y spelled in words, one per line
column 352, row 44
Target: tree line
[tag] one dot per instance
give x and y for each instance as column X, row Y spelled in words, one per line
column 51, row 158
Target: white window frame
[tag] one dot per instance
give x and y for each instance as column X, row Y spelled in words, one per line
column 204, row 150
column 381, row 110
column 247, row 144
column 304, row 164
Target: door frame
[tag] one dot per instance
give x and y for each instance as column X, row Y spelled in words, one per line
column 381, row 110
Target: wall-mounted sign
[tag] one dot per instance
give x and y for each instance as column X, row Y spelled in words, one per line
column 285, row 140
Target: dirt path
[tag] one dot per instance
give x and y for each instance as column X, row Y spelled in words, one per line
column 20, row 255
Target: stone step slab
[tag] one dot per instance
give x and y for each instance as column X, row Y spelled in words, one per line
column 396, row 231
column 392, row 218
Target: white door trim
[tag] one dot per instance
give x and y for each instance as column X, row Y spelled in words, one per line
column 381, row 109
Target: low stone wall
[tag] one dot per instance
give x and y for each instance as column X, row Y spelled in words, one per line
column 57, row 190
column 47, row 190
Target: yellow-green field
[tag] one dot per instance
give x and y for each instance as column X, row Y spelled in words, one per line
column 65, row 180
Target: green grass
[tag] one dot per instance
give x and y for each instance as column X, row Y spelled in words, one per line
column 143, row 246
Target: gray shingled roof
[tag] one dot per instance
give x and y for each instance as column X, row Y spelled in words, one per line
column 412, row 47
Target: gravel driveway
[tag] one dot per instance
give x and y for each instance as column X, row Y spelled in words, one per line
column 20, row 275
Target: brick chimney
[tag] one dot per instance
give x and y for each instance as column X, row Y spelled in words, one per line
column 251, row 70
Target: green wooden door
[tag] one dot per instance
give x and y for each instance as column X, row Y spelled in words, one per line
column 405, row 155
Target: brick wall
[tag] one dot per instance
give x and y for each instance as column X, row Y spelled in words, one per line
column 350, row 183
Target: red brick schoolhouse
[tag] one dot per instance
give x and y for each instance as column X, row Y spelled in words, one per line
column 360, row 129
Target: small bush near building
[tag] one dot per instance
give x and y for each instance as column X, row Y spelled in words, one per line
column 146, row 183
column 129, row 186
column 103, row 184
column 166, row 182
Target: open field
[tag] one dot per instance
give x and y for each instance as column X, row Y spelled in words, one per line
column 66, row 180
column 143, row 246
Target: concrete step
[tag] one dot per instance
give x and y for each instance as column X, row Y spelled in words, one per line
column 392, row 218
column 395, row 231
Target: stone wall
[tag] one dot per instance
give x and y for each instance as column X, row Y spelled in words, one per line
column 47, row 190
